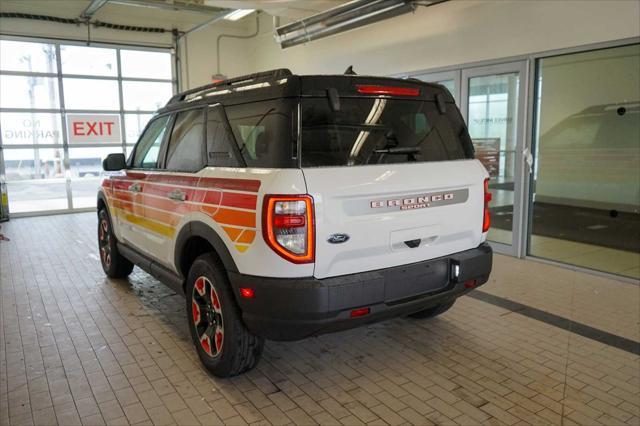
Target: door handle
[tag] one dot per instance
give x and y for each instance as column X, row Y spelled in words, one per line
column 177, row 195
column 528, row 158
column 135, row 187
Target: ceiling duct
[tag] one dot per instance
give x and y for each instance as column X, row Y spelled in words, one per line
column 353, row 14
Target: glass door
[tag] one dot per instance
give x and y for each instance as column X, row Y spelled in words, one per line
column 493, row 106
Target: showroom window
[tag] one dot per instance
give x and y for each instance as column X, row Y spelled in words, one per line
column 64, row 107
column 585, row 206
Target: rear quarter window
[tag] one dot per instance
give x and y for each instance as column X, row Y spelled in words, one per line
column 186, row 146
column 221, row 146
column 264, row 132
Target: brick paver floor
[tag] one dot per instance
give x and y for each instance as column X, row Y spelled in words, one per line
column 77, row 348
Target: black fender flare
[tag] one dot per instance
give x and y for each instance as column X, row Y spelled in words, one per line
column 103, row 198
column 204, row 231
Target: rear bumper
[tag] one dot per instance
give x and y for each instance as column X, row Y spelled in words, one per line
column 295, row 308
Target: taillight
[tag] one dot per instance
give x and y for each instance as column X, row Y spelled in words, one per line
column 288, row 228
column 486, row 218
column 369, row 89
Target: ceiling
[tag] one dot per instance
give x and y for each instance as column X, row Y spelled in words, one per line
column 155, row 17
column 295, row 9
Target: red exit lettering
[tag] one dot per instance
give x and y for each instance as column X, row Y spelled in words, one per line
column 88, row 128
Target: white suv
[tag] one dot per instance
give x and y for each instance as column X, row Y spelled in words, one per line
column 288, row 206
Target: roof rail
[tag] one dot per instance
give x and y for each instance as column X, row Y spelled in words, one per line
column 276, row 74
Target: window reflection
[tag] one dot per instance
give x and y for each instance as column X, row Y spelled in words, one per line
column 88, row 60
column 91, row 94
column 586, row 192
column 145, row 96
column 27, row 57
column 18, row 91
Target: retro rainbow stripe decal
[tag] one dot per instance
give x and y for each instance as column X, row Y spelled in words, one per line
column 143, row 199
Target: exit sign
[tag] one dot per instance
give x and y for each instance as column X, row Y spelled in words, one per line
column 94, row 128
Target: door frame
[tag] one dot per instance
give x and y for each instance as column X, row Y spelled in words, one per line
column 521, row 173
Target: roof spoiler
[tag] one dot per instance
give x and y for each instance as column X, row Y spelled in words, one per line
column 271, row 75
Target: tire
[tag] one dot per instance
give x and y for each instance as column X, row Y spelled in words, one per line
column 434, row 311
column 224, row 344
column 113, row 263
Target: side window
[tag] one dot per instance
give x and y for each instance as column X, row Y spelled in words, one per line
column 264, row 132
column 221, row 148
column 186, row 146
column 148, row 148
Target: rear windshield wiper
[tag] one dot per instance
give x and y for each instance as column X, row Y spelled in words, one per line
column 352, row 126
column 399, row 150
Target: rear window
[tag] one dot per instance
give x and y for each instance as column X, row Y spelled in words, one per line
column 380, row 131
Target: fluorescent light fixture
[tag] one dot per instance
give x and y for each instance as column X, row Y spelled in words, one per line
column 238, row 14
column 344, row 17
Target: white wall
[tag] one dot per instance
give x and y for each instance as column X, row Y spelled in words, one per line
column 198, row 52
column 453, row 33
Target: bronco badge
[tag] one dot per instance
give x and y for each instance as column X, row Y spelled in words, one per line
column 411, row 203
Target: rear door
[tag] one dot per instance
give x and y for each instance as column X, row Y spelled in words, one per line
column 128, row 198
column 393, row 182
column 171, row 192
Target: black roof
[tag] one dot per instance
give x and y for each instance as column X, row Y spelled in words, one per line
column 282, row 83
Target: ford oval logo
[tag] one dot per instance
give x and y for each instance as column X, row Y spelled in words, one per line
column 338, row 238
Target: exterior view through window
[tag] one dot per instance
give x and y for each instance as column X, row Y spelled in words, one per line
column 378, row 131
column 64, row 107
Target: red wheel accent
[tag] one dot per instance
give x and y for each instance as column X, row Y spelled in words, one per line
column 199, row 286
column 104, row 242
column 219, row 340
column 214, row 299
column 206, row 344
column 196, row 313
column 207, row 316
column 103, row 229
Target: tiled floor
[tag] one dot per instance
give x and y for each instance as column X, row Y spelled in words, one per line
column 78, row 348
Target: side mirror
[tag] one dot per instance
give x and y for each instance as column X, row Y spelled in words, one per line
column 114, row 162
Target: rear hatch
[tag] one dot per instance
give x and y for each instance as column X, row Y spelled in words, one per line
column 390, row 168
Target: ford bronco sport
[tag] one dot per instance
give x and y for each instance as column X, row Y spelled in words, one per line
column 288, row 206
